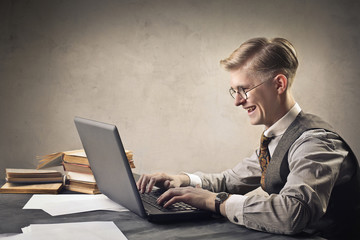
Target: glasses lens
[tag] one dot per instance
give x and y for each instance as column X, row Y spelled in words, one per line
column 232, row 92
column 242, row 93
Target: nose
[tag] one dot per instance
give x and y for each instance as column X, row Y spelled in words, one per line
column 239, row 100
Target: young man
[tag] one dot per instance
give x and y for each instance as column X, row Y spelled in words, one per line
column 308, row 176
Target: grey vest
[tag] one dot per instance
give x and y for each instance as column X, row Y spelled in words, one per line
column 344, row 200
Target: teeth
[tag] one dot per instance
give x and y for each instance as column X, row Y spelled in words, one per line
column 250, row 109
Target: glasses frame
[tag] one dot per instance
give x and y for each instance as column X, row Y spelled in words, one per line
column 242, row 92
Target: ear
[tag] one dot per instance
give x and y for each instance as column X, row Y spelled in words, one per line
column 281, row 83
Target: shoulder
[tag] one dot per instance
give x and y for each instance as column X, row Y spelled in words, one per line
column 308, row 121
column 318, row 134
column 316, row 141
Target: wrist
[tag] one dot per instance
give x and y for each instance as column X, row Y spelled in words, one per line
column 223, row 209
column 184, row 180
column 220, row 203
column 194, row 180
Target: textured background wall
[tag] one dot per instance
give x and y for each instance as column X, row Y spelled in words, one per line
column 152, row 68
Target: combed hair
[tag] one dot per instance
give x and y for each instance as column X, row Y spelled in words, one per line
column 265, row 56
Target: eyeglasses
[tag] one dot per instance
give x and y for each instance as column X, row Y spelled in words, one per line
column 242, row 92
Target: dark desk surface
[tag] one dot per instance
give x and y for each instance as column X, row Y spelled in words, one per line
column 13, row 218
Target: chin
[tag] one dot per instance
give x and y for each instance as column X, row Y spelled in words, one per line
column 256, row 121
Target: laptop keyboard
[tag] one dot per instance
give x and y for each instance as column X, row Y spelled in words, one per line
column 151, row 198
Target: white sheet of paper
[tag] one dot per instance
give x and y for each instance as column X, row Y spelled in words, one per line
column 62, row 204
column 77, row 230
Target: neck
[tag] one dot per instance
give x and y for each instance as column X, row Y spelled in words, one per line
column 285, row 103
column 289, row 102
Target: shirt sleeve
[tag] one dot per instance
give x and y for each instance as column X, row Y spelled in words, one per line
column 241, row 179
column 195, row 180
column 317, row 161
column 234, row 206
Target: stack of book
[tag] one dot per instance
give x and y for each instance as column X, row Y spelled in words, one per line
column 32, row 181
column 80, row 178
column 79, row 175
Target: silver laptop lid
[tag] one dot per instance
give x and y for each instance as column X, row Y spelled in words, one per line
column 109, row 163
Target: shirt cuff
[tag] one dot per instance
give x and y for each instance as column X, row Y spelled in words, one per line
column 194, row 179
column 234, row 206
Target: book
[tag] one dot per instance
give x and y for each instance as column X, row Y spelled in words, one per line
column 83, row 177
column 74, row 167
column 79, row 157
column 83, row 187
column 73, row 156
column 18, row 175
column 76, row 156
column 54, row 159
column 79, row 175
column 21, row 172
column 81, row 182
column 46, row 188
column 34, row 180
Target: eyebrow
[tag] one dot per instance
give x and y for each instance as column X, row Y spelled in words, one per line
column 240, row 86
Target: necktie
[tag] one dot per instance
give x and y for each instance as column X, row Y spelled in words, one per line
column 264, row 157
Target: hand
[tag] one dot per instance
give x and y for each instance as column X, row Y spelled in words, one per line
column 162, row 180
column 196, row 197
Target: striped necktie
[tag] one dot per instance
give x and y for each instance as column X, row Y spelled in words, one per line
column 264, row 157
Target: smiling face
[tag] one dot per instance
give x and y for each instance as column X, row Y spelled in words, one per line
column 262, row 102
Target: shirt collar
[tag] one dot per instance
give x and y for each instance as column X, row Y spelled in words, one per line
column 279, row 127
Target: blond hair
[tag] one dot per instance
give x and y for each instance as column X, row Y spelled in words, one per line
column 265, row 56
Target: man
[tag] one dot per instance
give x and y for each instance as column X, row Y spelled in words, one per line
column 308, row 175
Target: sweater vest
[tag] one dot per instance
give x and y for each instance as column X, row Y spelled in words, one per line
column 344, row 204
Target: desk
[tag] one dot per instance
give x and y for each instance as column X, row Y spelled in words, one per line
column 13, row 218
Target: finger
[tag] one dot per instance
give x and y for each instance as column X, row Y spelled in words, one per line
column 163, row 197
column 138, row 183
column 169, row 194
column 144, row 183
column 151, row 184
column 167, row 184
column 173, row 200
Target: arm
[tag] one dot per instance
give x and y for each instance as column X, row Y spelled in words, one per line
column 241, row 179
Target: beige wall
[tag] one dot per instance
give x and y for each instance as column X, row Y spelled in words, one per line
column 151, row 68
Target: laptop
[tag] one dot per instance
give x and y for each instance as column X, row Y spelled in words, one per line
column 113, row 175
